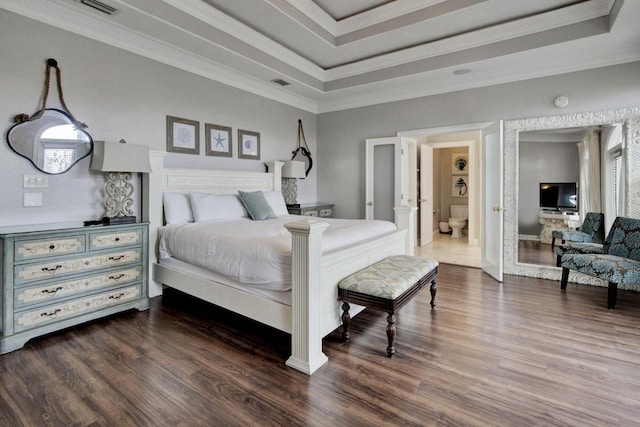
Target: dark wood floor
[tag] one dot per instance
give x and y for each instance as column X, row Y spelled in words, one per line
column 514, row 354
column 535, row 252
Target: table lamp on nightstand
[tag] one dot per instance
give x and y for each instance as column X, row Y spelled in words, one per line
column 119, row 160
column 291, row 171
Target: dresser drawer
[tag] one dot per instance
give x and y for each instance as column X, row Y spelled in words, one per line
column 310, row 213
column 57, row 312
column 326, row 212
column 54, row 268
column 99, row 241
column 68, row 288
column 48, row 247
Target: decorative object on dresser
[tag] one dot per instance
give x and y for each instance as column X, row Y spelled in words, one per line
column 120, row 160
column 54, row 278
column 320, row 209
column 291, row 171
column 183, row 135
column 51, row 139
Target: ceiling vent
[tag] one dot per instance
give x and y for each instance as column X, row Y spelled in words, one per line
column 102, row 7
column 281, row 82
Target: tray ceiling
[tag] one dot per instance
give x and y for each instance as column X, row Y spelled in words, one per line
column 337, row 54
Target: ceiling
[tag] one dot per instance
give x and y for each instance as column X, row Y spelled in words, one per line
column 338, row 54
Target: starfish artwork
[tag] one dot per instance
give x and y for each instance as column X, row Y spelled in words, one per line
column 220, row 140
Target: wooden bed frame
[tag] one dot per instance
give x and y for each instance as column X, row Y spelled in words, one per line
column 315, row 310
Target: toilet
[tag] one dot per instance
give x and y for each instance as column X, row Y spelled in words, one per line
column 459, row 215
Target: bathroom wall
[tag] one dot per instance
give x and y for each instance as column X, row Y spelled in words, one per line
column 446, row 181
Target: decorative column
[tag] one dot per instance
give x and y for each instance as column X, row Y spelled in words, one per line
column 306, row 339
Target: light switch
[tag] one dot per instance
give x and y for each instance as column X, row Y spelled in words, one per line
column 35, row 181
column 32, row 199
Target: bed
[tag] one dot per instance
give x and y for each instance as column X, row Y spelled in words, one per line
column 310, row 309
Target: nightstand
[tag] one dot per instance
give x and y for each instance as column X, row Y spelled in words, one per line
column 60, row 275
column 320, row 209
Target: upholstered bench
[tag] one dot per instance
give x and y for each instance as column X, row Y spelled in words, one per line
column 387, row 286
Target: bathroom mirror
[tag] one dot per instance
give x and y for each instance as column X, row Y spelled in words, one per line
column 630, row 119
column 53, row 143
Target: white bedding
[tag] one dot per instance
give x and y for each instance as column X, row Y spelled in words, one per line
column 256, row 253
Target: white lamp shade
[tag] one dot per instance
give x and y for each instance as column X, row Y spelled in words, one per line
column 293, row 169
column 120, row 157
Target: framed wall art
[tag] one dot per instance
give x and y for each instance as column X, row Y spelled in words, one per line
column 183, row 136
column 460, row 186
column 460, row 164
column 218, row 140
column 248, row 145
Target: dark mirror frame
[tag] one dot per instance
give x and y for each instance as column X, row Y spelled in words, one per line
column 69, row 120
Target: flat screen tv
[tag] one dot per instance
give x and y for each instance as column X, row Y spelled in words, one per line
column 559, row 196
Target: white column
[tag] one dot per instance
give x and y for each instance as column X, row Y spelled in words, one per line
column 275, row 168
column 306, row 339
column 152, row 211
column 406, row 220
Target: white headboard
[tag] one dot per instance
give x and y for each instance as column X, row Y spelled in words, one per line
column 163, row 179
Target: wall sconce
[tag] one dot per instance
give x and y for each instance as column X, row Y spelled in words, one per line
column 291, row 171
column 119, row 160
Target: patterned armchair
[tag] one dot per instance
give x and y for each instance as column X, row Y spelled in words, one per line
column 590, row 231
column 618, row 263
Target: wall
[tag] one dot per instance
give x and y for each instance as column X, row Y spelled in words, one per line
column 342, row 133
column 122, row 95
column 542, row 162
column 446, row 182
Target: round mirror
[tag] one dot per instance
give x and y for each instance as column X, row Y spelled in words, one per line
column 53, row 143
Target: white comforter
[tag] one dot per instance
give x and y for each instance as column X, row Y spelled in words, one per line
column 256, row 253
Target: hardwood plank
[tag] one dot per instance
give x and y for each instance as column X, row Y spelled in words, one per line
column 517, row 353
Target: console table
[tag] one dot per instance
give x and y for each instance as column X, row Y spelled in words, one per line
column 556, row 221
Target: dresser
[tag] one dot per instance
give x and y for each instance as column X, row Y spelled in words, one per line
column 312, row 209
column 59, row 275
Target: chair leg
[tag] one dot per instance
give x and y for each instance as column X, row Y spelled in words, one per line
column 553, row 243
column 565, row 279
column 558, row 260
column 433, row 289
column 346, row 321
column 612, row 295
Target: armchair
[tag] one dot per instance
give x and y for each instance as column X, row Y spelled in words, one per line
column 590, row 231
column 618, row 263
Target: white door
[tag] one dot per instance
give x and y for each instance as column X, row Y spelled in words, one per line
column 492, row 202
column 426, row 194
column 373, row 211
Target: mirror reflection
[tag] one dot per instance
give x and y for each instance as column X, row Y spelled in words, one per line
column 53, row 143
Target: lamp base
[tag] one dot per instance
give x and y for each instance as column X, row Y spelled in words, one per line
column 119, row 220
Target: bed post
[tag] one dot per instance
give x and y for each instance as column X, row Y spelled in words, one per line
column 152, row 212
column 406, row 220
column 306, row 337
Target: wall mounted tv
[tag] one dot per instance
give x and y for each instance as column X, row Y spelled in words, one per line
column 559, row 196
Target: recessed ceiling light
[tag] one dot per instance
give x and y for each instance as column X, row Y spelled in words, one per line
column 462, row 71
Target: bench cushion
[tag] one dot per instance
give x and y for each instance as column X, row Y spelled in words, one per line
column 390, row 277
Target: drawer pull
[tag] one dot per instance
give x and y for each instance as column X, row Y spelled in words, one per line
column 51, row 270
column 51, row 291
column 51, row 313
column 117, row 239
column 116, row 258
column 118, row 277
column 118, row 296
column 51, row 248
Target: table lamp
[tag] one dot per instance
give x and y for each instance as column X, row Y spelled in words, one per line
column 291, row 171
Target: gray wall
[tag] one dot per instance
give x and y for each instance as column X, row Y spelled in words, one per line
column 122, row 95
column 341, row 178
column 542, row 162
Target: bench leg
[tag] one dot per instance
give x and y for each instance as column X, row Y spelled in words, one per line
column 433, row 289
column 391, row 334
column 346, row 321
column 565, row 278
column 612, row 296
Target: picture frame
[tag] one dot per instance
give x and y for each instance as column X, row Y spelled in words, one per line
column 183, row 135
column 459, row 164
column 248, row 144
column 218, row 140
column 460, row 186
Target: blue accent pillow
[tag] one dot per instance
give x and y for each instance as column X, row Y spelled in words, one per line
column 256, row 205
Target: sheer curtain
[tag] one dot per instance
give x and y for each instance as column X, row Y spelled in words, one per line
column 589, row 186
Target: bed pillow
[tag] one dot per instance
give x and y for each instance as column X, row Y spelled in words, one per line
column 177, row 208
column 207, row 206
column 276, row 201
column 256, row 205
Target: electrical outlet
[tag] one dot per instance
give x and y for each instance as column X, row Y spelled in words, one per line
column 32, row 199
column 35, row 181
